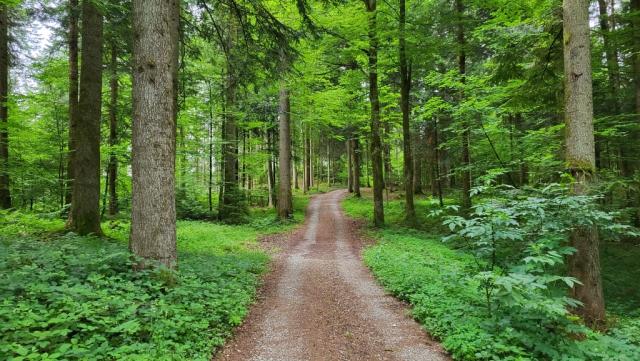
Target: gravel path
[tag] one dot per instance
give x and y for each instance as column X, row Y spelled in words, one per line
column 321, row 303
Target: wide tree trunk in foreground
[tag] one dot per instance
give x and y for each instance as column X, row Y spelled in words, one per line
column 85, row 200
column 285, row 205
column 112, row 173
column 5, row 193
column 376, row 142
column 580, row 156
column 405, row 106
column 153, row 212
column 73, row 91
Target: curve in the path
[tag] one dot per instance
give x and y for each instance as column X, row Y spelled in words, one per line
column 321, row 303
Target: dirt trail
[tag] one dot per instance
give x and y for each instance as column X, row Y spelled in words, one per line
column 321, row 303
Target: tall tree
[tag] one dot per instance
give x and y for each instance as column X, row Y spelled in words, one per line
column 580, row 156
column 376, row 142
column 72, row 40
column 462, row 68
column 355, row 155
column 112, row 172
column 405, row 107
column 285, row 205
column 85, row 208
column 155, row 80
column 5, row 193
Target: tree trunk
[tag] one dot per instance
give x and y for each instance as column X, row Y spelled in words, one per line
column 210, row 141
column 307, row 160
column 405, row 106
column 580, row 156
column 73, row 92
column 376, row 142
column 462, row 66
column 85, row 208
column 355, row 155
column 113, row 133
column 5, row 193
column 271, row 170
column 349, row 166
column 418, row 152
column 285, row 203
column 153, row 211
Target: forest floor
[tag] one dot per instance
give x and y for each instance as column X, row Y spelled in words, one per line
column 321, row 303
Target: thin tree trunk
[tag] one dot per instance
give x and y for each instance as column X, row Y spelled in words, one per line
column 418, row 152
column 73, row 92
column 355, row 155
column 153, row 211
column 437, row 162
column 285, row 203
column 580, row 156
column 271, row 170
column 113, row 133
column 462, row 65
column 376, row 142
column 308, row 176
column 349, row 166
column 210, row 141
column 85, row 206
column 5, row 193
column 405, row 106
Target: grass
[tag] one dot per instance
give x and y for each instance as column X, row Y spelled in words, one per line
column 416, row 266
column 77, row 298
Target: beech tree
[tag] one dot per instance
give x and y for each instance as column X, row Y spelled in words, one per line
column 580, row 156
column 73, row 9
column 155, row 79
column 85, row 157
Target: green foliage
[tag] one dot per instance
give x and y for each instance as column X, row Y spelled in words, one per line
column 71, row 297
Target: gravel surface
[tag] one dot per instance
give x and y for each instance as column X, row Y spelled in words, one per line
column 321, row 303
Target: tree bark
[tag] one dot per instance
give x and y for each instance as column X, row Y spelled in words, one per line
column 462, row 66
column 113, row 133
column 307, row 160
column 85, row 208
column 5, row 193
column 355, row 155
column 580, row 156
column 418, row 152
column 349, row 166
column 73, row 91
column 155, row 80
column 405, row 106
column 376, row 142
column 285, row 203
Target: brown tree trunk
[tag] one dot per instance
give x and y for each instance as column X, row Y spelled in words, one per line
column 73, row 91
column 271, row 180
column 405, row 106
column 210, row 141
column 85, row 208
column 462, row 66
column 308, row 176
column 349, row 166
column 153, row 211
column 376, row 142
column 285, row 203
column 113, row 133
column 418, row 152
column 580, row 156
column 5, row 193
column 355, row 165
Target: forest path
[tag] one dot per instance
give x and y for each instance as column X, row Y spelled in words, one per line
column 321, row 303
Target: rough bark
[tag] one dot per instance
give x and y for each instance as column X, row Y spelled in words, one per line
column 405, row 106
column 112, row 172
column 5, row 193
column 155, row 80
column 462, row 66
column 73, row 91
column 355, row 155
column 285, row 203
column 580, row 156
column 376, row 142
column 85, row 208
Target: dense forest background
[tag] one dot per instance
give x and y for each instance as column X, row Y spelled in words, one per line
column 510, row 129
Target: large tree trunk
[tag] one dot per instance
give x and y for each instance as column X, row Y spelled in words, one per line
column 153, row 207
column 113, row 133
column 73, row 91
column 580, row 156
column 405, row 106
column 85, row 208
column 355, row 155
column 376, row 142
column 285, row 204
column 5, row 193
column 462, row 66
